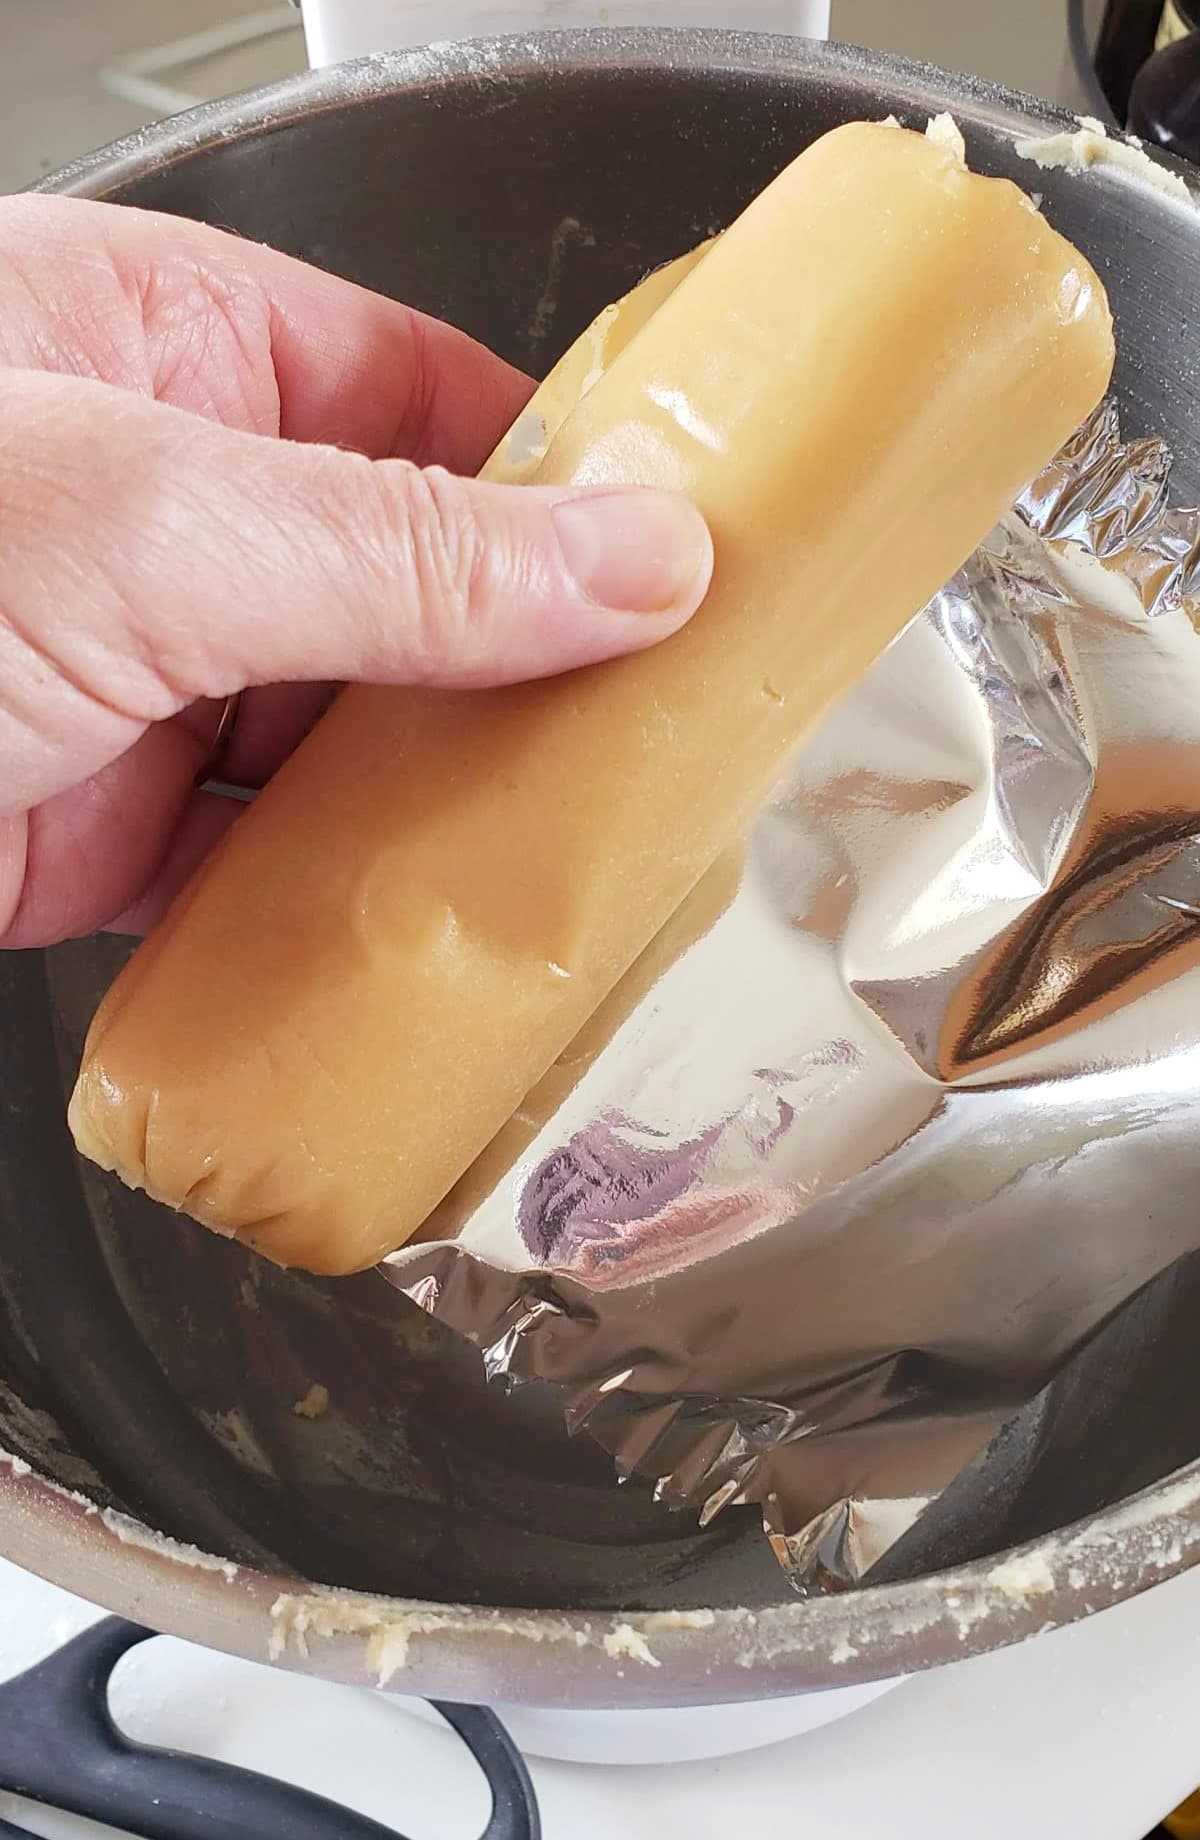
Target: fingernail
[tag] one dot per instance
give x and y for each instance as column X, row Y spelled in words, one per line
column 636, row 552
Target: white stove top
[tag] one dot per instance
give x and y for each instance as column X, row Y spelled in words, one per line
column 1091, row 1731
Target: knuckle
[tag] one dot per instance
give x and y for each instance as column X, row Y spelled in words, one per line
column 445, row 563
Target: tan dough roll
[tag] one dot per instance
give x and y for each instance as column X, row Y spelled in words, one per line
column 398, row 939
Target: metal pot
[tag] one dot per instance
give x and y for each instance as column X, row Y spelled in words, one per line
column 153, row 1370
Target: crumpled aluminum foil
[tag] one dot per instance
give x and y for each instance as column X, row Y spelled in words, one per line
column 905, row 1102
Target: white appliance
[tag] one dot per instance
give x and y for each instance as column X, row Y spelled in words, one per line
column 339, row 29
column 1092, row 1733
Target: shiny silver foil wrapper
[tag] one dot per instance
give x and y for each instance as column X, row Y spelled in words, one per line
column 905, row 1103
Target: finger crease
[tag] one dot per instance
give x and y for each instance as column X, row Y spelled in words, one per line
column 45, row 659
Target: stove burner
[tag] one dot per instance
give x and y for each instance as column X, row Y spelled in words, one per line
column 60, row 1746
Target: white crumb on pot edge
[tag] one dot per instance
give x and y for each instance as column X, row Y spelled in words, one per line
column 627, row 1643
column 133, row 1533
column 1024, row 1575
column 1091, row 145
column 389, row 1627
column 945, row 132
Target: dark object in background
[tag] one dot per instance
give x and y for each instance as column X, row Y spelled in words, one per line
column 1164, row 104
column 1127, row 38
column 1142, row 68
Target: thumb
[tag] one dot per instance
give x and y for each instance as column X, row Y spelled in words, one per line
column 149, row 557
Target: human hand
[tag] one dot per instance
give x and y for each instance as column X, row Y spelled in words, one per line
column 222, row 470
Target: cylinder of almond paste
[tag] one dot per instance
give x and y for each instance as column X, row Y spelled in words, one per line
column 395, row 942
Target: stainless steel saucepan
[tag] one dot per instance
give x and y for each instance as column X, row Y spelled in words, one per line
column 148, row 1372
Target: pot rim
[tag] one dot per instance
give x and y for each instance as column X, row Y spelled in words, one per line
column 661, row 49
column 599, row 1659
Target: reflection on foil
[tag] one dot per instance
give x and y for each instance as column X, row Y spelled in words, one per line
column 621, row 1200
column 594, row 1193
column 875, row 1139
